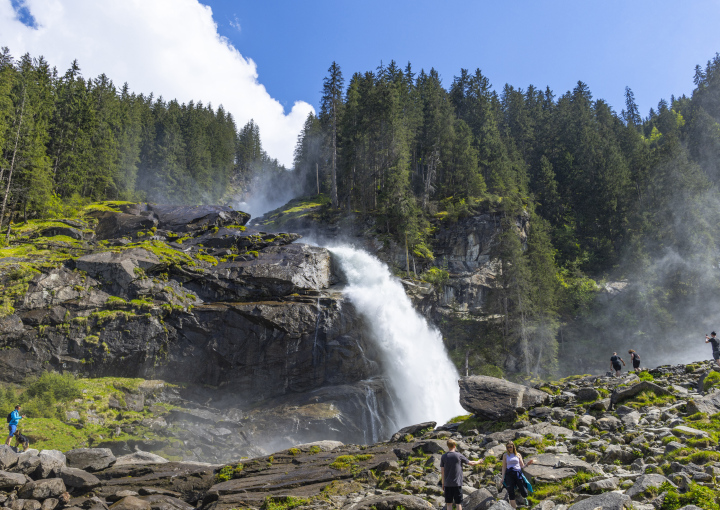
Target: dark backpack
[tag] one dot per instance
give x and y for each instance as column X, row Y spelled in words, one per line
column 9, row 418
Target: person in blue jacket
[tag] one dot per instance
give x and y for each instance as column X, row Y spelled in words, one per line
column 15, row 418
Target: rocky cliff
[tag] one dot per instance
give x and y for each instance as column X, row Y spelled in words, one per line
column 247, row 329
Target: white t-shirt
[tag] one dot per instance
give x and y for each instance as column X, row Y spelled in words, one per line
column 512, row 461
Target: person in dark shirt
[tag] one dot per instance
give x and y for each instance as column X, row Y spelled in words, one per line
column 615, row 361
column 21, row 440
column 635, row 360
column 715, row 346
column 451, row 475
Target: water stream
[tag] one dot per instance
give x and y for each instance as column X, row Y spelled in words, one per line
column 421, row 377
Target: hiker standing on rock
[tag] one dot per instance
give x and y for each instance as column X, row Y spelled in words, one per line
column 452, row 476
column 615, row 361
column 635, row 359
column 512, row 475
column 13, row 419
column 715, row 346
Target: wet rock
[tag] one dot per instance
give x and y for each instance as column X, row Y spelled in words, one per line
column 90, row 459
column 43, row 489
column 497, row 399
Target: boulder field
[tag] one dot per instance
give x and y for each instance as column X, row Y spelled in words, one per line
column 596, row 445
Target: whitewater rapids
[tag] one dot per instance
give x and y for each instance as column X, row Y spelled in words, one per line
column 421, row 378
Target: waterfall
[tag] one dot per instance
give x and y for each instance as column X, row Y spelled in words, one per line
column 421, row 377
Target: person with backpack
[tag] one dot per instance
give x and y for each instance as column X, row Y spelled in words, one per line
column 13, row 419
column 21, row 440
column 512, row 475
column 635, row 358
column 615, row 361
column 715, row 346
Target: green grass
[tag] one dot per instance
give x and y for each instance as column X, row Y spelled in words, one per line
column 697, row 495
column 648, row 398
column 646, row 376
column 712, row 379
column 559, row 492
column 283, row 502
column 348, row 462
column 228, row 473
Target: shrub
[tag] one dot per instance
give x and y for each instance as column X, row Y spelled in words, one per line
column 435, row 275
column 712, row 379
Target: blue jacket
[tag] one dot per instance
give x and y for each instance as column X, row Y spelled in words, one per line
column 15, row 418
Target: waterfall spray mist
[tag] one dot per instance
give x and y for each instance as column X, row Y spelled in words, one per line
column 416, row 364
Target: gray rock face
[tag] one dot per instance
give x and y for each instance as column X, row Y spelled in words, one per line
column 644, row 482
column 131, row 503
column 43, row 489
column 90, row 459
column 497, row 399
column 8, row 457
column 606, row 501
column 194, row 218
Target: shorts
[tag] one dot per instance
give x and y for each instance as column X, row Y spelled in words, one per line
column 453, row 495
column 716, row 355
column 636, row 363
column 617, row 368
column 12, row 429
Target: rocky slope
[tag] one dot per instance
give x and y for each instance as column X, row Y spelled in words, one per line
column 647, row 443
column 246, row 330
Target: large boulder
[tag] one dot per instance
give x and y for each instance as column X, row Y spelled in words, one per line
column 645, row 482
column 623, row 393
column 90, row 459
column 194, row 218
column 497, row 399
column 481, row 499
column 8, row 457
column 413, row 430
column 9, row 481
column 77, row 478
column 606, row 501
column 51, row 461
column 709, row 404
column 391, row 502
column 549, row 467
column 117, row 270
column 139, row 457
column 43, row 489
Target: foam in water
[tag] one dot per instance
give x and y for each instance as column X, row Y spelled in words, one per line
column 419, row 372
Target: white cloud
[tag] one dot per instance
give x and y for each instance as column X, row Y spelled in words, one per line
column 169, row 47
column 235, row 23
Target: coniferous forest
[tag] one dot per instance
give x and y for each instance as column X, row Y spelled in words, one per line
column 608, row 196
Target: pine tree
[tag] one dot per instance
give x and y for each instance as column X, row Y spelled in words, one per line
column 330, row 118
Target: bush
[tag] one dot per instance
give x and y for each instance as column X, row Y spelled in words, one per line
column 435, row 275
column 64, row 387
column 697, row 495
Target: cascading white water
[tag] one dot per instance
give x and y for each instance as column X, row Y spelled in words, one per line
column 419, row 372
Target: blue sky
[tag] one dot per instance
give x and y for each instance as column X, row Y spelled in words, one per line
column 650, row 46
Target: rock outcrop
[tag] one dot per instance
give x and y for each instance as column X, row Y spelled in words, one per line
column 497, row 399
column 191, row 295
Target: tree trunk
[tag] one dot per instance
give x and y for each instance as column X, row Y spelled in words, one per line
column 12, row 162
